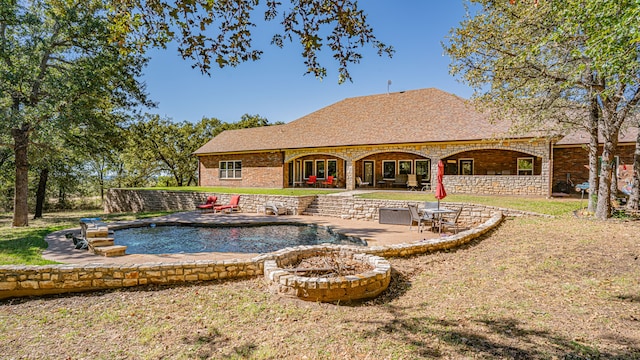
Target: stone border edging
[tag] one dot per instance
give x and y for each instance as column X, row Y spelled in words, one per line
column 32, row 280
column 350, row 287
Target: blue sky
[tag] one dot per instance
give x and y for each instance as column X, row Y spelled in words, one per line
column 276, row 88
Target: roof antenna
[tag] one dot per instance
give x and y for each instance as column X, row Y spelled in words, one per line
column 388, row 84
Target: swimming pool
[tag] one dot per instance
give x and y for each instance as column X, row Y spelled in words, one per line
column 233, row 239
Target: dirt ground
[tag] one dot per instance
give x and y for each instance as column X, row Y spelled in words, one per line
column 534, row 288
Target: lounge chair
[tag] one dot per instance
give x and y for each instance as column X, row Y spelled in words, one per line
column 416, row 218
column 211, row 202
column 275, row 208
column 361, row 183
column 232, row 206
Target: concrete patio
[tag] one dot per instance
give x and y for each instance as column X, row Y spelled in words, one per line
column 61, row 249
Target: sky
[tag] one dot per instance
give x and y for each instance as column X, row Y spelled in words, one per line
column 276, row 87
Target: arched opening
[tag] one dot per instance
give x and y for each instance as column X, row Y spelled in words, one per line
column 328, row 170
column 492, row 162
column 392, row 169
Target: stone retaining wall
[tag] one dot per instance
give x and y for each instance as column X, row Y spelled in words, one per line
column 16, row 281
column 345, row 207
column 52, row 279
column 126, row 200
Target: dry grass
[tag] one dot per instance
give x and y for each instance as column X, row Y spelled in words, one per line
column 532, row 289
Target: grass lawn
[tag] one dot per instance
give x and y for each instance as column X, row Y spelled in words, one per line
column 555, row 206
column 258, row 191
column 534, row 288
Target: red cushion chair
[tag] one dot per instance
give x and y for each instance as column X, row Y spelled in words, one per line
column 328, row 182
column 211, row 202
column 312, row 180
column 232, row 206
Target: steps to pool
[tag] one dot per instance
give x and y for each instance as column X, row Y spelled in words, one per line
column 96, row 234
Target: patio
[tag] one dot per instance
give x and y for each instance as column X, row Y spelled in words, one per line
column 61, row 249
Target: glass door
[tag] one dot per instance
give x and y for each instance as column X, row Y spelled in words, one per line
column 368, row 172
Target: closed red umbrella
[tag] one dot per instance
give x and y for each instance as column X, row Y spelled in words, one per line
column 441, row 193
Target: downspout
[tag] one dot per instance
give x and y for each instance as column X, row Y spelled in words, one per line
column 199, row 177
column 550, row 184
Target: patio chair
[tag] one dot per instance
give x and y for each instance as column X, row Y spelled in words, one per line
column 328, row 182
column 400, row 180
column 275, row 208
column 232, row 206
column 361, row 183
column 417, row 218
column 453, row 222
column 211, row 202
column 312, row 180
column 412, row 182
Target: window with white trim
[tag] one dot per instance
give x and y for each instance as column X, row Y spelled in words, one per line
column 308, row 168
column 525, row 166
column 465, row 166
column 405, row 167
column 320, row 169
column 231, row 169
column 332, row 168
column 388, row 169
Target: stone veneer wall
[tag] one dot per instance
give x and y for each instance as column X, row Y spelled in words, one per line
column 497, row 184
column 16, row 281
column 345, row 207
column 125, row 200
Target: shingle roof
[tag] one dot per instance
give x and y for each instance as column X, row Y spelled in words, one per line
column 416, row 116
column 628, row 135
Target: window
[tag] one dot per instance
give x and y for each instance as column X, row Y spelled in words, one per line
column 388, row 169
column 404, row 167
column 525, row 166
column 308, row 168
column 332, row 168
column 465, row 166
column 320, row 169
column 230, row 169
column 423, row 168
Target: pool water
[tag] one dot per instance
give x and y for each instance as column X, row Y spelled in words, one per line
column 240, row 239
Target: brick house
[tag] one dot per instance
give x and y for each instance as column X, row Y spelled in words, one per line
column 381, row 139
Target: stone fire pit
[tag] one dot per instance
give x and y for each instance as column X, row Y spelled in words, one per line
column 327, row 273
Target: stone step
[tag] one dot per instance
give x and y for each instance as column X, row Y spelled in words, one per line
column 97, row 232
column 100, row 241
column 109, row 251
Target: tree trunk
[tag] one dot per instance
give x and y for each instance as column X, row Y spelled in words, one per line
column 603, row 209
column 634, row 198
column 21, row 147
column 593, row 155
column 41, row 193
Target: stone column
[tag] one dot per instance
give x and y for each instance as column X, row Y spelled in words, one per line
column 350, row 180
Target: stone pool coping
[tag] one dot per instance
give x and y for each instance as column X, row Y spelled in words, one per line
column 89, row 272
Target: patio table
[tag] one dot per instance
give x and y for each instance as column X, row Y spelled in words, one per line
column 437, row 216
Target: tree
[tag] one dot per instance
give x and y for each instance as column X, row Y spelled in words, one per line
column 555, row 66
column 59, row 68
column 220, row 32
column 167, row 147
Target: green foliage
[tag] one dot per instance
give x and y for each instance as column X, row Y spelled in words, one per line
column 60, row 72
column 554, row 67
column 159, row 151
column 219, row 33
